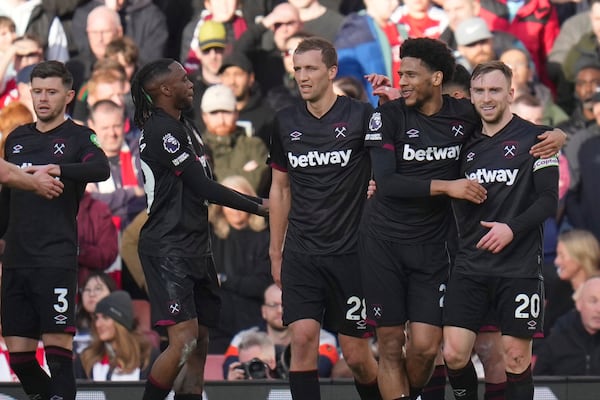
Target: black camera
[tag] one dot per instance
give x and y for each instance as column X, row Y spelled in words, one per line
column 254, row 369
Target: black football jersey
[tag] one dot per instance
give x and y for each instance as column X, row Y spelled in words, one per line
column 521, row 192
column 41, row 232
column 177, row 219
column 328, row 168
column 426, row 148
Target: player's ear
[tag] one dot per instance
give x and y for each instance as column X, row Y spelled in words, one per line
column 438, row 77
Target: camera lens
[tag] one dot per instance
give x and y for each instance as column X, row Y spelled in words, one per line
column 256, row 369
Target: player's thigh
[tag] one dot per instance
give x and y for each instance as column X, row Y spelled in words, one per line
column 384, row 281
column 520, row 306
column 466, row 302
column 345, row 311
column 19, row 317
column 427, row 268
column 303, row 287
column 172, row 286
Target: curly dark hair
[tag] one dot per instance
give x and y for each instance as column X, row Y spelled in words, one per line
column 435, row 54
column 143, row 99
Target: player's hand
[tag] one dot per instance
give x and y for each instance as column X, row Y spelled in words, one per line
column 47, row 185
column 50, row 169
column 276, row 268
column 262, row 210
column 551, row 143
column 234, row 373
column 377, row 80
column 371, row 189
column 467, row 189
column 498, row 237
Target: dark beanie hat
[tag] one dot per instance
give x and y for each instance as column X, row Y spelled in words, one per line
column 119, row 307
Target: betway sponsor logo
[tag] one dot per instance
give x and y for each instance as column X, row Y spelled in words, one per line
column 483, row 175
column 431, row 153
column 315, row 158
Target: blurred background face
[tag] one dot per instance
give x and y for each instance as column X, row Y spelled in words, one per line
column 595, row 18
column 288, row 52
column 114, row 4
column 220, row 123
column 105, row 327
column 109, row 128
column 101, row 29
column 238, row 80
column 93, row 291
column 236, row 218
column 567, row 266
column 288, row 24
column 6, row 38
column 519, row 64
column 272, row 309
column 381, row 10
column 588, row 305
column 221, row 10
column 478, row 52
column 587, row 82
column 459, row 10
column 533, row 114
column 114, row 91
column 28, row 53
column 211, row 59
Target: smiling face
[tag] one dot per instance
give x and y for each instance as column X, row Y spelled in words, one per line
column 588, row 304
column 567, row 265
column 491, row 95
column 417, row 82
column 105, row 327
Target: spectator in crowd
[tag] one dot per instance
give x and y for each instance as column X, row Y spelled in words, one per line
column 254, row 114
column 318, row 19
column 141, row 20
column 368, row 42
column 573, row 346
column 577, row 258
column 460, row 10
column 96, row 286
column 34, row 18
column 587, row 83
column 475, row 43
column 102, row 26
column 588, row 45
column 7, row 35
column 11, row 116
column 264, row 42
column 421, row 18
column 212, row 42
column 241, row 253
column 226, row 12
column 534, row 23
column 123, row 192
column 24, row 88
column 287, row 92
column 280, row 335
column 255, row 348
column 348, row 86
column 118, row 352
column 25, row 51
column 232, row 151
column 524, row 81
column 97, row 237
column 126, row 52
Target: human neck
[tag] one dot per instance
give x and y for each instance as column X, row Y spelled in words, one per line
column 209, row 77
column 490, row 129
column 313, row 11
column 47, row 126
column 323, row 105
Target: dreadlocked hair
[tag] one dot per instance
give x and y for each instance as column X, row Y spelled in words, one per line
column 142, row 100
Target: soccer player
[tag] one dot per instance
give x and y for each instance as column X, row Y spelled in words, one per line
column 320, row 174
column 415, row 143
column 499, row 259
column 39, row 279
column 174, row 244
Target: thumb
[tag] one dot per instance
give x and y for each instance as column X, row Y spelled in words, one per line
column 487, row 224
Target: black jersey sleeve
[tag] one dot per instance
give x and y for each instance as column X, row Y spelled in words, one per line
column 193, row 177
column 545, row 179
column 276, row 159
column 93, row 165
column 392, row 184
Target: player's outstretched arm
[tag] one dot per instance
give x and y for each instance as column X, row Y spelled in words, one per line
column 40, row 181
column 195, row 179
column 551, row 142
column 279, row 209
